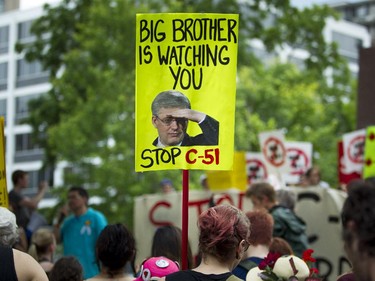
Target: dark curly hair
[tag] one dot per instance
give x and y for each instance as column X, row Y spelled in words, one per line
column 66, row 268
column 359, row 209
column 115, row 247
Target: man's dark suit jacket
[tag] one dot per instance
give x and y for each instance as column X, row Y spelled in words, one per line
column 209, row 136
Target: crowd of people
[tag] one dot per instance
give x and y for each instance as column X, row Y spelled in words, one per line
column 231, row 241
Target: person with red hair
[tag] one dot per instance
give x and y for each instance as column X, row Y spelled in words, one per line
column 223, row 240
column 260, row 241
column 281, row 246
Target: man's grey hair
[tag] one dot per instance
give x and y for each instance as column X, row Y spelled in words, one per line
column 8, row 228
column 169, row 99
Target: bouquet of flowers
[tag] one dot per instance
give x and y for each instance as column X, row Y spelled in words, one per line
column 285, row 268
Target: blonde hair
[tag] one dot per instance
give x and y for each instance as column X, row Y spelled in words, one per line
column 40, row 241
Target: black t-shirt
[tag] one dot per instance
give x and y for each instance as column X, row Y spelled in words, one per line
column 191, row 275
column 7, row 268
column 22, row 213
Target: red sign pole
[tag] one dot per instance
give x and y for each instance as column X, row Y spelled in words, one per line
column 185, row 218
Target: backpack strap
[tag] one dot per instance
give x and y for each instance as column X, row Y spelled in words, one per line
column 247, row 264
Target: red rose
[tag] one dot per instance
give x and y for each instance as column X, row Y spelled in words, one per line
column 269, row 260
column 306, row 256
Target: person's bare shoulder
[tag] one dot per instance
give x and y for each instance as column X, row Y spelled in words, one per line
column 27, row 268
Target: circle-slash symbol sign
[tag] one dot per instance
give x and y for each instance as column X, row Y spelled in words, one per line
column 299, row 162
column 274, row 151
column 255, row 170
column 355, row 149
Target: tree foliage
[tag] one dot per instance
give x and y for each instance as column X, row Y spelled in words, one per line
column 87, row 118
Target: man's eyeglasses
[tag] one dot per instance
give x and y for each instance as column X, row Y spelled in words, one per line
column 167, row 121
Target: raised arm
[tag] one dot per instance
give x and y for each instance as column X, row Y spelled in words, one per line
column 33, row 202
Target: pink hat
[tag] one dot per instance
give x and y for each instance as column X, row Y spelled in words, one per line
column 157, row 267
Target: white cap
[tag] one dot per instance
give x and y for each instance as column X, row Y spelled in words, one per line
column 8, row 227
column 7, row 218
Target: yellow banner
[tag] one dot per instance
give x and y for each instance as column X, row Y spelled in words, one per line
column 369, row 159
column 236, row 178
column 3, row 179
column 185, row 91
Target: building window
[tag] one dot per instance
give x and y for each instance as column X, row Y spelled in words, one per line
column 349, row 13
column 348, row 45
column 30, row 73
column 27, row 149
column 24, row 142
column 24, row 34
column 362, row 11
column 4, row 39
column 22, row 107
column 3, row 110
column 3, row 76
column 35, row 177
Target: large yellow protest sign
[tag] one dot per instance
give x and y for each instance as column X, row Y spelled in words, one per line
column 3, row 179
column 185, row 91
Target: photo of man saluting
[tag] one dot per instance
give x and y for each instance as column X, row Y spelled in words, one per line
column 171, row 113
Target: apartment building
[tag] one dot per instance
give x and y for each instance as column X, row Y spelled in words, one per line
column 363, row 13
column 20, row 81
column 349, row 36
column 360, row 12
